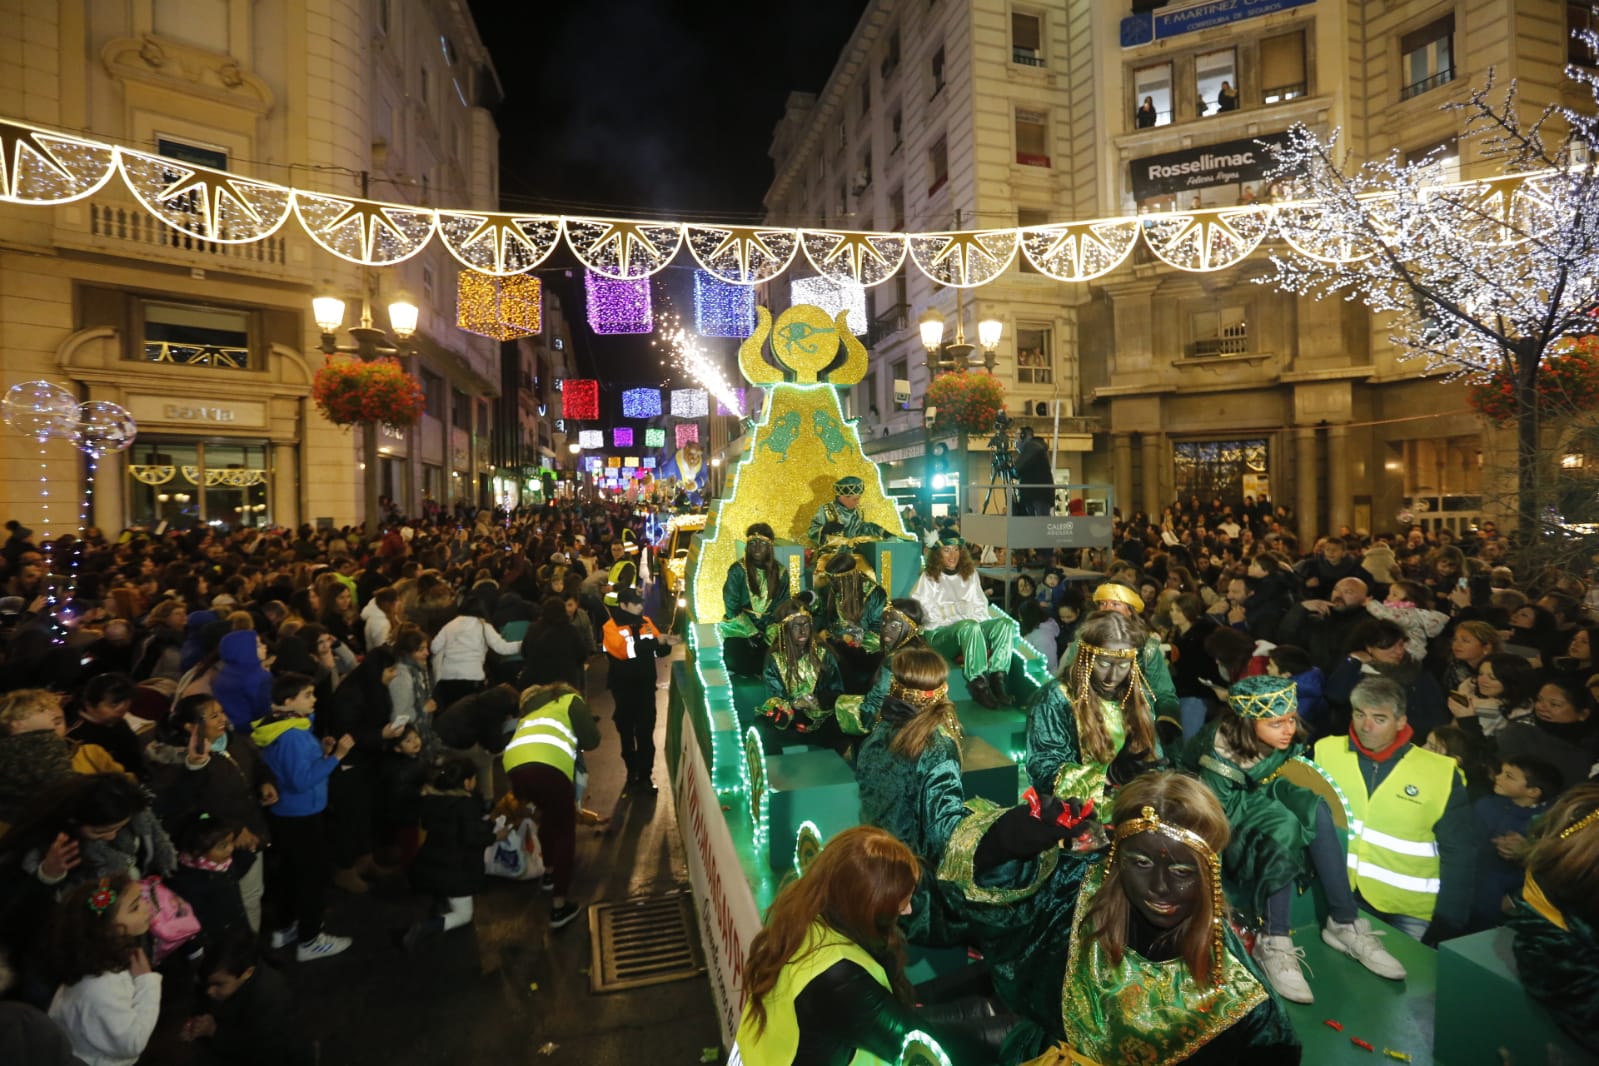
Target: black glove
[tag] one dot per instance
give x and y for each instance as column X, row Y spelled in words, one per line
column 1018, row 834
column 1129, row 764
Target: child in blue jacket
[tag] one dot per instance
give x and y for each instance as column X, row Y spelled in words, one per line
column 303, row 867
column 243, row 684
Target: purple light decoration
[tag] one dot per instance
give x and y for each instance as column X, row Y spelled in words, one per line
column 622, row 437
column 618, row 306
column 641, row 403
column 687, row 431
column 690, row 403
column 722, row 309
column 655, row 438
column 721, row 408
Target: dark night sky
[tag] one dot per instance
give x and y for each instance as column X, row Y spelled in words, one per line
column 649, row 108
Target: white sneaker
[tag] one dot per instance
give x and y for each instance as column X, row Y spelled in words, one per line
column 1359, row 941
column 325, row 946
column 282, row 938
column 1282, row 961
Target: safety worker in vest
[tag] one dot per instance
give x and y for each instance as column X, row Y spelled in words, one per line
column 541, row 763
column 623, row 572
column 632, row 644
column 1411, row 856
column 825, row 980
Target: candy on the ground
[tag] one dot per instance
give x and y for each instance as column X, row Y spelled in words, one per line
column 1355, row 1040
column 1331, row 1024
column 1400, row 1055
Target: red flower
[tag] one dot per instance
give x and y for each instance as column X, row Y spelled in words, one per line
column 348, row 392
column 965, row 401
column 1568, row 381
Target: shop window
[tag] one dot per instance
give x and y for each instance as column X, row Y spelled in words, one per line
column 1035, row 356
column 1025, row 217
column 1216, row 80
column 1224, row 469
column 1282, row 67
column 1032, row 138
column 190, row 335
column 1427, row 57
column 1441, row 160
column 1026, row 39
column 432, row 481
column 188, row 483
column 1581, row 18
column 936, row 68
column 1220, row 331
column 937, row 165
column 1152, row 96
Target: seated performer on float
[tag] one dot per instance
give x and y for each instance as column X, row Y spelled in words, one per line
column 1096, row 714
column 755, row 586
column 1163, row 703
column 900, row 627
column 1129, row 959
column 1556, row 915
column 1276, row 826
column 846, row 511
column 802, row 679
column 849, row 609
column 959, row 621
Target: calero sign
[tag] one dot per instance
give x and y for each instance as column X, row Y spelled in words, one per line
column 1228, row 163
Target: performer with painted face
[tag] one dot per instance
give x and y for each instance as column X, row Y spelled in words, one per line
column 849, row 609
column 1163, row 704
column 960, row 622
column 1276, row 826
column 1152, row 972
column 900, row 627
column 802, row 680
column 1097, row 709
column 754, row 588
column 846, row 511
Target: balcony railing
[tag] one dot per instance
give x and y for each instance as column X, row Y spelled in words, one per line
column 1416, row 88
column 1028, row 159
column 1027, row 57
column 1232, row 342
column 892, row 320
column 127, row 229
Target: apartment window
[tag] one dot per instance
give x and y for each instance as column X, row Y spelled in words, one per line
column 1441, row 159
column 843, row 200
column 432, row 394
column 896, row 129
column 938, row 165
column 427, row 284
column 896, row 210
column 937, row 70
column 1220, row 331
column 198, row 22
column 863, row 173
column 1216, row 77
column 1581, row 17
column 866, row 93
column 1282, row 67
column 1025, row 217
column 1026, row 39
column 190, row 335
column 841, row 134
column 447, row 48
column 890, row 55
column 1035, row 356
column 460, row 409
column 1032, row 138
column 1152, row 96
column 1427, row 57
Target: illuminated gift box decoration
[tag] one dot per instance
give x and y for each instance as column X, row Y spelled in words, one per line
column 690, row 403
column 630, row 460
column 614, row 460
column 616, row 306
column 641, row 403
column 687, row 432
column 580, row 399
column 722, row 309
column 655, row 438
column 649, row 460
column 590, row 438
column 502, row 308
column 833, row 297
column 622, row 437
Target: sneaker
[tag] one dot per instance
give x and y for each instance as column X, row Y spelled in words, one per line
column 1359, row 941
column 1282, row 961
column 564, row 915
column 547, row 882
column 282, row 938
column 325, row 946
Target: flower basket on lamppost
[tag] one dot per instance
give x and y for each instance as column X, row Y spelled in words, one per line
column 1567, row 383
column 963, row 401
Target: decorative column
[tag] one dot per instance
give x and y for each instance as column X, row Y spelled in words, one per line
column 1154, row 449
column 1305, row 484
column 1340, row 506
column 1121, row 446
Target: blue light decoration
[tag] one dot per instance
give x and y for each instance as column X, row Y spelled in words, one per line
column 641, row 403
column 594, row 463
column 649, row 460
column 743, row 396
column 690, row 403
column 722, row 309
column 655, row 438
column 616, row 306
column 590, row 438
column 622, row 437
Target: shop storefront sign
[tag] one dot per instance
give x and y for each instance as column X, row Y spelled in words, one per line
column 1146, row 27
column 241, row 414
column 1226, row 163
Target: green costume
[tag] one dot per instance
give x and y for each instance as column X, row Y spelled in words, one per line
column 1555, row 952
column 984, row 647
column 815, row 675
column 1160, row 692
column 1273, row 820
column 1055, row 759
column 831, row 617
column 853, row 521
column 747, row 610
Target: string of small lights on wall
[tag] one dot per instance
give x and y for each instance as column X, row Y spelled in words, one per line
column 44, row 167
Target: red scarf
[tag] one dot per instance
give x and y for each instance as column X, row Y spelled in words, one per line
column 1405, row 733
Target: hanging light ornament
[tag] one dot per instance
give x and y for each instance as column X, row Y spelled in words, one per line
column 641, row 403
column 580, row 399
column 501, row 308
column 690, row 403
column 622, row 436
column 687, row 433
column 722, row 309
column 655, row 438
column 834, row 297
column 616, row 306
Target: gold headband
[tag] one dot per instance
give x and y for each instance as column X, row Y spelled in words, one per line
column 910, row 624
column 1116, row 591
column 918, row 697
column 758, row 536
column 1094, row 651
column 1148, row 821
column 1580, row 824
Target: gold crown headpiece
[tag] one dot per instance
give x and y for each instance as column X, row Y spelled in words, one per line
column 1580, row 824
column 920, row 698
column 1149, row 821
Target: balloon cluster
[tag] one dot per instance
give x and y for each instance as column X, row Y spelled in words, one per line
column 41, row 410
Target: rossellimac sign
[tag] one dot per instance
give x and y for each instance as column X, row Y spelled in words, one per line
column 1227, row 163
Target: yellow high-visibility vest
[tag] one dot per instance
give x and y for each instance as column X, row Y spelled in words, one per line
column 546, row 735
column 778, row 1042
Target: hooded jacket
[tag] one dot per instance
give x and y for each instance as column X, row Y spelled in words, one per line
column 242, row 685
column 295, row 758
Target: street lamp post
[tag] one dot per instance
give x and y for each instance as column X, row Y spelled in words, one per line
column 370, row 343
column 956, row 356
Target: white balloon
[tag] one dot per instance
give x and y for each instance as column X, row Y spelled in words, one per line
column 104, row 428
column 40, row 409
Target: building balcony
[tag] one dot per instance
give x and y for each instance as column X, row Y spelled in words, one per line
column 1027, row 159
column 890, row 321
column 1026, row 57
column 1416, row 88
column 124, row 229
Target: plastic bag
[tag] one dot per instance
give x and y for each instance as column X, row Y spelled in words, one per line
column 517, row 857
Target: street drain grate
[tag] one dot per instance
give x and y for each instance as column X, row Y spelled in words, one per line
column 644, row 941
